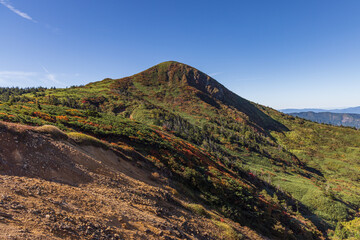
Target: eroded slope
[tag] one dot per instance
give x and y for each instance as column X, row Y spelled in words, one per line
column 54, row 189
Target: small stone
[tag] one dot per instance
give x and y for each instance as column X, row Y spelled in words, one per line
column 124, row 225
column 5, row 215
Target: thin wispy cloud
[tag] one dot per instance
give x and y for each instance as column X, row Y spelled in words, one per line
column 215, row 74
column 16, row 78
column 249, row 79
column 51, row 77
column 17, row 74
column 7, row 4
column 30, row 79
column 54, row 30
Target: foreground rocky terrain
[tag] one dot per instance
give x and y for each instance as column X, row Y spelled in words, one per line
column 53, row 188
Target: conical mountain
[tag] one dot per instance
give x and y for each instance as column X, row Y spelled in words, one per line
column 178, row 84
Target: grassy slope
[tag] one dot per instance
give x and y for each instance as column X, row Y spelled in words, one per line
column 334, row 152
column 235, row 197
column 205, row 130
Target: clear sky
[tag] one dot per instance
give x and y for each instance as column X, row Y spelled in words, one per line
column 280, row 53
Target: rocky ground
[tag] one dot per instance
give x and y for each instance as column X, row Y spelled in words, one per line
column 52, row 188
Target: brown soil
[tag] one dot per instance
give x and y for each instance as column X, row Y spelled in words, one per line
column 55, row 189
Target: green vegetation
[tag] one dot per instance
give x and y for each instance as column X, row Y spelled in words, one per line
column 52, row 130
column 198, row 209
column 84, row 139
column 280, row 175
column 228, row 232
column 348, row 230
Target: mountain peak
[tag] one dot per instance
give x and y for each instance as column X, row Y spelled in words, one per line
column 180, row 72
column 178, row 83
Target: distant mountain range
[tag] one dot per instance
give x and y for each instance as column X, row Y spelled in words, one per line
column 355, row 110
column 339, row 117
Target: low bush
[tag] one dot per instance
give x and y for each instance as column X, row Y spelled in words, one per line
column 348, row 230
column 198, row 209
column 52, row 130
column 154, row 176
column 84, row 139
column 228, row 232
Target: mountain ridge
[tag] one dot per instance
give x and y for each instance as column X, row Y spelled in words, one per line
column 337, row 119
column 352, row 110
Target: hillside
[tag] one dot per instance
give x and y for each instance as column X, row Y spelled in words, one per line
column 280, row 176
column 86, row 190
column 337, row 119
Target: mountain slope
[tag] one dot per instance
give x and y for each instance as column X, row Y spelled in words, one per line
column 84, row 191
column 178, row 85
column 271, row 172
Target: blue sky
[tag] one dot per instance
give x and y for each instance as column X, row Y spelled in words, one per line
column 298, row 53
